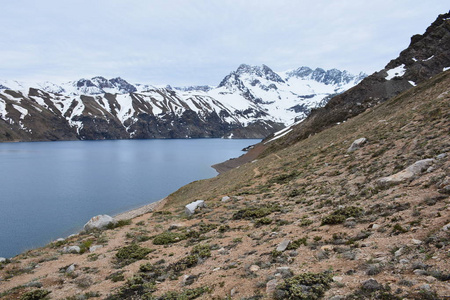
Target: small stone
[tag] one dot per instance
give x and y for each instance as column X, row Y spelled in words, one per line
column 225, row 199
column 430, row 279
column 446, row 227
column 95, row 248
column 233, row 292
column 398, row 252
column 420, row 272
column 223, row 251
column 356, row 144
column 327, row 248
column 285, row 272
column 371, row 285
column 293, row 253
column 60, row 240
column 425, row 287
column 254, row 268
column 283, row 245
column 337, row 298
column 216, row 269
column 441, row 156
column 189, row 279
column 338, row 278
column 404, row 261
column 271, row 285
column 416, row 242
column 375, row 226
column 70, row 269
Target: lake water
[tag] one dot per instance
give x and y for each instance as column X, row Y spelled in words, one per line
column 51, row 189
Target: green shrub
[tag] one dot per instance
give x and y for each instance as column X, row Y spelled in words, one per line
column 338, row 216
column 36, row 295
column 202, row 250
column 305, row 222
column 168, row 237
column 306, row 286
column 250, row 213
column 398, row 229
column 118, row 224
column 132, row 253
column 263, row 221
column 297, row 243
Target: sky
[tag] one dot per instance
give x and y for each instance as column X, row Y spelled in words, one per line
column 199, row 42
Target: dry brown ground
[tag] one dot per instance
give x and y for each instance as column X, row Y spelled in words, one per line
column 398, row 239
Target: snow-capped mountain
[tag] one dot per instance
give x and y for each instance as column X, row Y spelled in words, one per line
column 252, row 101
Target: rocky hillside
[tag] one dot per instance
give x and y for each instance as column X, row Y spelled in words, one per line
column 251, row 102
column 357, row 211
column 427, row 55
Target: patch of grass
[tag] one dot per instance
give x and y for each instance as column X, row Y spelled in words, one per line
column 202, row 250
column 263, row 221
column 118, row 224
column 132, row 253
column 253, row 212
column 305, row 222
column 168, row 237
column 36, row 295
column 305, row 286
column 297, row 243
column 398, row 229
column 340, row 215
column 284, row 178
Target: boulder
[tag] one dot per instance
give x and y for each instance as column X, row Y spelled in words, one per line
column 191, row 207
column 2, row 259
column 72, row 249
column 225, row 199
column 271, row 286
column 99, row 222
column 356, row 144
column 95, row 248
column 408, row 173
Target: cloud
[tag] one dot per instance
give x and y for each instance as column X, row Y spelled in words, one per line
column 200, row 41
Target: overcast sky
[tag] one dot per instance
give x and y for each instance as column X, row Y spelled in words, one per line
column 187, row 42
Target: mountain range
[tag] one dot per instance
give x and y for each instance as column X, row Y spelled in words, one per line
column 251, row 102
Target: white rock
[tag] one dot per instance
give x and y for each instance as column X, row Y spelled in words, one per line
column 191, row 207
column 407, row 173
column 2, row 259
column 254, row 268
column 337, row 278
column 71, row 249
column 95, row 248
column 446, row 227
column 416, row 242
column 60, row 240
column 441, row 156
column 356, row 144
column 398, row 252
column 375, row 226
column 271, row 285
column 99, row 222
column 70, row 269
column 283, row 245
column 225, row 199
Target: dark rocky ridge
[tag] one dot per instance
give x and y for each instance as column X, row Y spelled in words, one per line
column 426, row 56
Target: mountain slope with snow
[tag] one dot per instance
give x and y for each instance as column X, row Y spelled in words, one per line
column 251, row 102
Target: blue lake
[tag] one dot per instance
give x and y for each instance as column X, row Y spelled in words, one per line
column 51, row 189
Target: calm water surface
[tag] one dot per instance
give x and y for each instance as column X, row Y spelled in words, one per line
column 51, row 189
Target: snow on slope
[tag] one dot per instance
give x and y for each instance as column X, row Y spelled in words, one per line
column 247, row 95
